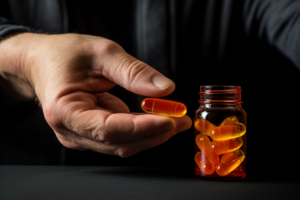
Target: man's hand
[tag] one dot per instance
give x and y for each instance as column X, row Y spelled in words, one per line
column 71, row 75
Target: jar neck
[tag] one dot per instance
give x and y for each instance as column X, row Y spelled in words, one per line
column 216, row 94
column 220, row 105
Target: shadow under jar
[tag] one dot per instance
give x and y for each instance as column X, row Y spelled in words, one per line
column 220, row 134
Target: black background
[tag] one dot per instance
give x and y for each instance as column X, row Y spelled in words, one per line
column 270, row 84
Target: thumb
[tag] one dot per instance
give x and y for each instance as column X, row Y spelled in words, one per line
column 134, row 75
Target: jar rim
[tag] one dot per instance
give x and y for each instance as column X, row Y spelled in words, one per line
column 220, row 94
column 219, row 88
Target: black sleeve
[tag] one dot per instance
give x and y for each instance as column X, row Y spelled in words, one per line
column 8, row 28
column 278, row 22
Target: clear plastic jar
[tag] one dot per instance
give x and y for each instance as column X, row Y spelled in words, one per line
column 220, row 134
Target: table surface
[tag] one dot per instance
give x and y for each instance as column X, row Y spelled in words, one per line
column 85, row 182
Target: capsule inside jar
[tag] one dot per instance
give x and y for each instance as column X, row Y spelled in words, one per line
column 225, row 146
column 227, row 132
column 204, row 126
column 229, row 121
column 205, row 165
column 204, row 144
column 229, row 162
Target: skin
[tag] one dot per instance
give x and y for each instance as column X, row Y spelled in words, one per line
column 70, row 74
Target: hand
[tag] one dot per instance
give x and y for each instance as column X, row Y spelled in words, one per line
column 71, row 75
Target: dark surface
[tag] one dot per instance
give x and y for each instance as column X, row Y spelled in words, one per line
column 53, row 182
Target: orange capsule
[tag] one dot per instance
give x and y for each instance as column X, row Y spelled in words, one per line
column 163, row 107
column 205, row 165
column 204, row 144
column 203, row 125
column 229, row 162
column 230, row 121
column 225, row 146
column 227, row 132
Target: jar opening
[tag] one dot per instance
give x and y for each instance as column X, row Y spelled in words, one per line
column 220, row 94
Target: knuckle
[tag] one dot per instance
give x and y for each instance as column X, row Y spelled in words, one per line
column 108, row 46
column 129, row 70
column 101, row 134
column 103, row 137
column 124, row 152
column 135, row 70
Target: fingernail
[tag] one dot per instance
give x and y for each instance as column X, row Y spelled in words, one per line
column 183, row 127
column 167, row 127
column 161, row 81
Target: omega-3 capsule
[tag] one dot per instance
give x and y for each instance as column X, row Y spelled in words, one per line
column 229, row 162
column 204, row 144
column 227, row 132
column 164, row 107
column 225, row 146
column 206, row 166
column 203, row 125
column 230, row 121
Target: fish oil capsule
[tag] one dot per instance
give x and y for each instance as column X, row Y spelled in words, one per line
column 164, row 107
column 205, row 165
column 226, row 146
column 229, row 162
column 203, row 125
column 227, row 132
column 230, row 121
column 204, row 144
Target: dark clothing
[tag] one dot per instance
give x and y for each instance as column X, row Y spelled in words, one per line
column 110, row 21
column 190, row 41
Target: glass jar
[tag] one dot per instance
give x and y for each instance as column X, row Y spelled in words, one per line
column 220, row 133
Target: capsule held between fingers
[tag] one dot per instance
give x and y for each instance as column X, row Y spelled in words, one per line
column 163, row 107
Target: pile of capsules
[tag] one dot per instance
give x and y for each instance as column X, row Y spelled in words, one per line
column 224, row 140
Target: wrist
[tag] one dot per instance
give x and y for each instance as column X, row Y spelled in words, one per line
column 14, row 62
